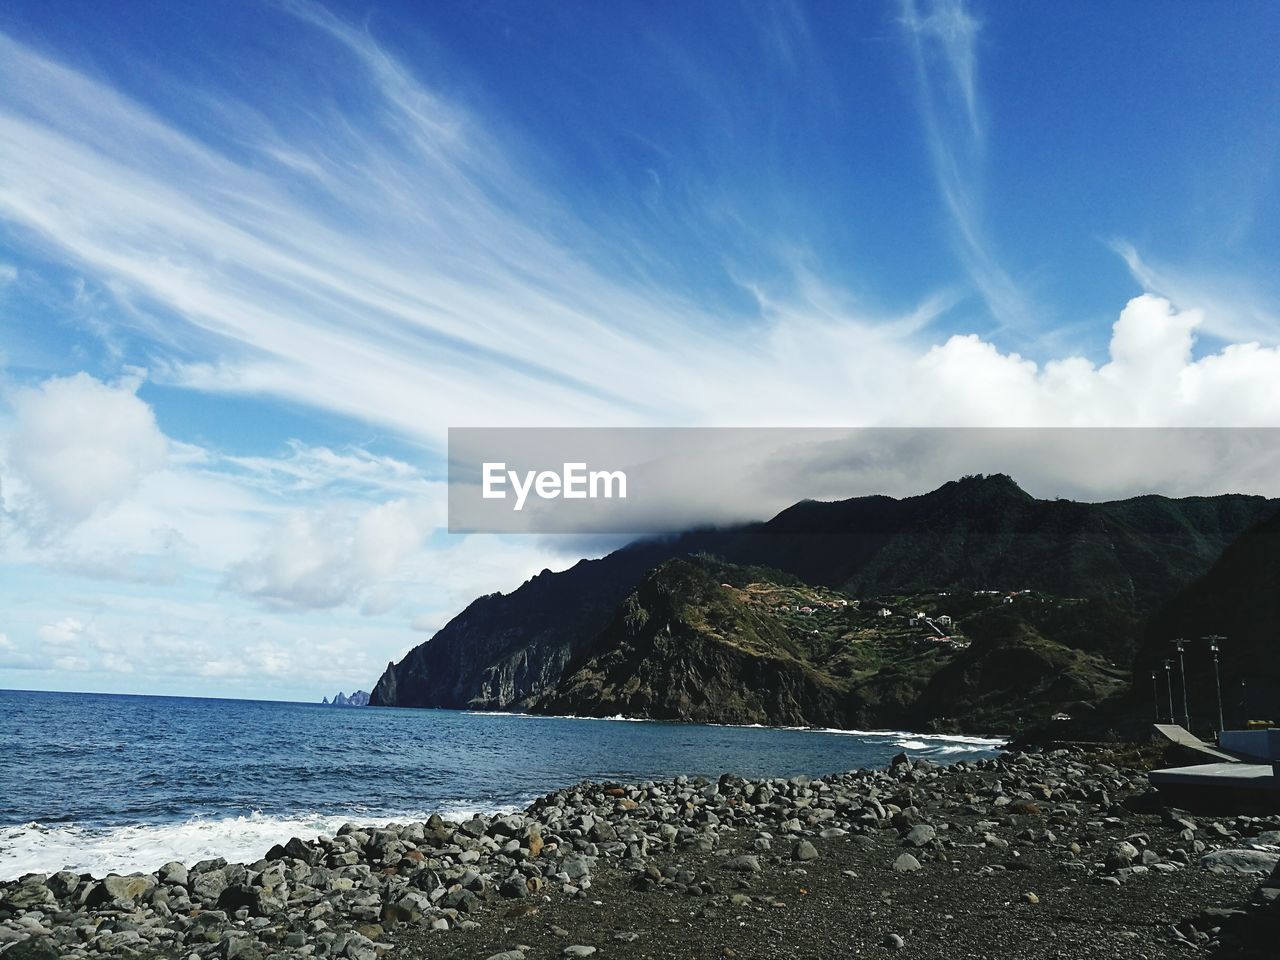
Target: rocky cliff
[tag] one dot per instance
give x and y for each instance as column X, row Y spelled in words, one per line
column 685, row 647
column 358, row 699
column 529, row 649
column 701, row 640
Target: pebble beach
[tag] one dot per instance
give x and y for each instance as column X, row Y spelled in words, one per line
column 1063, row 854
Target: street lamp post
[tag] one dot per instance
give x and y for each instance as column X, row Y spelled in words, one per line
column 1168, row 680
column 1182, row 672
column 1155, row 695
column 1214, row 639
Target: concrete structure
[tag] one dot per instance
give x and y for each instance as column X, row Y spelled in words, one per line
column 1223, row 786
column 1191, row 746
column 1252, row 744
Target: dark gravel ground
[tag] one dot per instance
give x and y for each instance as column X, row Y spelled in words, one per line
column 972, row 906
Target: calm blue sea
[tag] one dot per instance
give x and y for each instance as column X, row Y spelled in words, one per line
column 97, row 782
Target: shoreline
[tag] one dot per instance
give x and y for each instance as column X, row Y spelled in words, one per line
column 616, row 869
column 995, row 741
column 90, row 836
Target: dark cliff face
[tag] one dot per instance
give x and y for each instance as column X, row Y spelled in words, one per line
column 1239, row 599
column 681, row 648
column 506, row 649
column 1013, row 674
column 513, row 651
column 700, row 640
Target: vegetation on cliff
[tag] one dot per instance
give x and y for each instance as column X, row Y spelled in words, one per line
column 632, row 633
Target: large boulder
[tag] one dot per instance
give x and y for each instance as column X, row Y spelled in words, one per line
column 35, row 948
column 133, row 887
column 207, row 887
column 32, row 892
column 1259, row 862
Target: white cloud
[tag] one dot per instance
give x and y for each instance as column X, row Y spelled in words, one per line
column 318, row 559
column 395, row 265
column 77, row 445
column 1151, row 379
column 305, row 468
column 64, row 633
column 1235, row 307
column 115, row 663
column 954, row 30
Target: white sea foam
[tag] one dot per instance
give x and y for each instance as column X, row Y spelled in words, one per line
column 925, row 740
column 557, row 716
column 39, row 848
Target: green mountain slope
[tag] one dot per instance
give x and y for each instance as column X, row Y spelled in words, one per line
column 701, row 640
column 512, row 651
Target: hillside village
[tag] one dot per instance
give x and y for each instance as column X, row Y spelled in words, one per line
column 922, row 620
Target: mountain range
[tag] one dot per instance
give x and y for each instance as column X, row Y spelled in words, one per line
column 1054, row 599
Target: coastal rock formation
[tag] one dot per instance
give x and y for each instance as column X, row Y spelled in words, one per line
column 522, row 650
column 358, row 699
column 687, row 645
column 684, row 647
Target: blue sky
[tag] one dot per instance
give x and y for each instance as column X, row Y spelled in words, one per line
column 256, row 258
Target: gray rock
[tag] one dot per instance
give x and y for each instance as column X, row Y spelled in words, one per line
column 578, row 950
column 906, row 864
column 30, row 894
column 804, row 850
column 1260, row 862
column 108, row 942
column 1121, row 855
column 208, row 886
column 746, row 863
column 921, row 835
column 360, row 948
column 133, row 887
column 241, row 948
column 36, row 948
column 64, row 884
column 894, row 942
column 576, row 867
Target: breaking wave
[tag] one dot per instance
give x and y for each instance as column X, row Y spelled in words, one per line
column 40, row 848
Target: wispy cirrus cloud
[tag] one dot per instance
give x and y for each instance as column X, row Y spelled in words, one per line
column 1235, row 307
column 390, row 265
column 401, row 256
column 943, row 37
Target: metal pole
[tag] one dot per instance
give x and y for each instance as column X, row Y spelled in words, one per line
column 1155, row 695
column 1168, row 680
column 1182, row 672
column 1214, row 639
